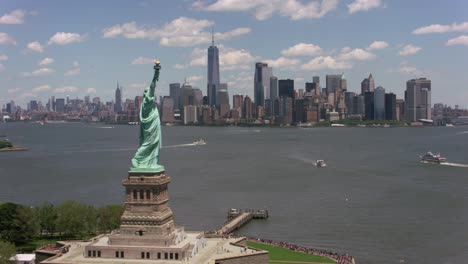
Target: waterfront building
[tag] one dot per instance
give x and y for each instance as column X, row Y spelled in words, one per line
column 138, row 101
column 33, row 105
column 167, row 115
column 190, row 114
column 359, row 105
column 223, row 105
column 237, row 101
column 333, row 82
column 400, row 106
column 118, row 99
column 273, row 88
column 369, row 105
column 197, row 96
column 60, row 105
column 368, row 85
column 418, row 99
column 379, row 103
column 286, row 88
column 349, row 102
column 390, row 106
column 262, row 82
column 187, row 96
column 213, row 73
column 248, row 112
column 174, row 93
column 300, row 111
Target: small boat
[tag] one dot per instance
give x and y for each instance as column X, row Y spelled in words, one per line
column 433, row 158
column 449, row 125
column 320, row 163
column 386, row 125
column 199, row 142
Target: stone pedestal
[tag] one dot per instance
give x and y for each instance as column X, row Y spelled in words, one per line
column 147, row 219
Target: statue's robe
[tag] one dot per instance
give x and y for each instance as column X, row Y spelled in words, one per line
column 147, row 156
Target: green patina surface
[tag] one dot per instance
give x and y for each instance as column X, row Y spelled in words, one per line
column 146, row 158
column 282, row 255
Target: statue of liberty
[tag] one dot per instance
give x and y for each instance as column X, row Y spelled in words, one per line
column 146, row 158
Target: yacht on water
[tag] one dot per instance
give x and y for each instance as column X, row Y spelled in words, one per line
column 199, row 142
column 433, row 158
column 320, row 163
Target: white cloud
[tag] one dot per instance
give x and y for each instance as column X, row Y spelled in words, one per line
column 2, row 68
column 46, row 61
column 377, row 45
column 25, row 95
column 142, row 60
column 409, row 50
column 355, row 54
column 35, row 47
column 137, row 85
column 41, row 88
column 302, row 49
column 363, row 5
column 180, row 66
column 13, row 90
column 39, row 72
column 66, row 89
column 229, row 58
column 180, row 32
column 3, row 57
column 73, row 71
column 15, row 17
column 408, row 69
column 194, row 78
column 64, row 38
column 437, row 28
column 6, row 39
column 91, row 90
column 283, row 63
column 264, row 9
column 326, row 63
column 461, row 40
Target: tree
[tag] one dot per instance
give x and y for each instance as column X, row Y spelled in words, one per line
column 46, row 216
column 109, row 217
column 75, row 219
column 7, row 250
column 17, row 223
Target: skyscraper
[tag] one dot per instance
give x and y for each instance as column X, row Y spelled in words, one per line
column 286, row 88
column 118, row 99
column 418, row 99
column 333, row 83
column 174, row 93
column 379, row 103
column 273, row 88
column 213, row 73
column 390, row 106
column 261, row 82
column 60, row 105
column 367, row 85
column 369, row 105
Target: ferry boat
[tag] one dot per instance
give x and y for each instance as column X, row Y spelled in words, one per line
column 199, row 142
column 320, row 163
column 432, row 158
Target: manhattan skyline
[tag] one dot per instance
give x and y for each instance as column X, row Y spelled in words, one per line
column 78, row 57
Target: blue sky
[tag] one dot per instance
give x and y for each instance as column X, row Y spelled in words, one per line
column 80, row 48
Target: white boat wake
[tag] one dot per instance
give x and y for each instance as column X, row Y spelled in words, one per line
column 454, row 164
column 129, row 149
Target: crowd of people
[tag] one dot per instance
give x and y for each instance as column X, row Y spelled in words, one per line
column 340, row 259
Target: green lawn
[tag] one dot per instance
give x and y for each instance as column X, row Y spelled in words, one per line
column 282, row 255
column 30, row 246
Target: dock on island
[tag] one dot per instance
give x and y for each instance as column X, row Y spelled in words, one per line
column 237, row 218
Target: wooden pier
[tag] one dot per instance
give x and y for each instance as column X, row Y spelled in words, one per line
column 237, row 218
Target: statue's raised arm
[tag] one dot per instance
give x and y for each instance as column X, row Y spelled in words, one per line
column 146, row 158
